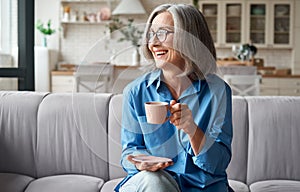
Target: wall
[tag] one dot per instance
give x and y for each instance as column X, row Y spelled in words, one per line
column 44, row 10
column 79, row 39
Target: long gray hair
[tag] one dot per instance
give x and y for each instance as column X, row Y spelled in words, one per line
column 192, row 39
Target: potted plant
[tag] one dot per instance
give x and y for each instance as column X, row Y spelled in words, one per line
column 130, row 33
column 45, row 30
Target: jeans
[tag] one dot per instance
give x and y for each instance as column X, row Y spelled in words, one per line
column 147, row 181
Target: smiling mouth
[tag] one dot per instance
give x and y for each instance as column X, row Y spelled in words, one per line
column 160, row 53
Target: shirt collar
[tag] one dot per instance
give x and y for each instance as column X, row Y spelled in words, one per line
column 155, row 76
column 155, row 79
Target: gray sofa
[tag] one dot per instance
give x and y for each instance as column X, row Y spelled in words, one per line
column 71, row 143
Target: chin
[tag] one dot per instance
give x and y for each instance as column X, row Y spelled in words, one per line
column 160, row 63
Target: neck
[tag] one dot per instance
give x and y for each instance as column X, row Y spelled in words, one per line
column 175, row 83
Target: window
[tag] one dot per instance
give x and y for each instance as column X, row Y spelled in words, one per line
column 5, row 27
column 17, row 15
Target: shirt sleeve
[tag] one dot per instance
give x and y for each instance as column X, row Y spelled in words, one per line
column 131, row 135
column 216, row 153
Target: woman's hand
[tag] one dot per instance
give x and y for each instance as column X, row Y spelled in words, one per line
column 148, row 166
column 182, row 118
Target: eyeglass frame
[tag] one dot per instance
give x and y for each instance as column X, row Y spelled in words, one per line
column 154, row 34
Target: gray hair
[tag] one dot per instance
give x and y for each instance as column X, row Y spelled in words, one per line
column 192, row 39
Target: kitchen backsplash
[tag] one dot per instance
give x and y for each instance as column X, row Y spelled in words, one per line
column 279, row 58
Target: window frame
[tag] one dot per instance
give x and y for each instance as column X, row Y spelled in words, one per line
column 25, row 69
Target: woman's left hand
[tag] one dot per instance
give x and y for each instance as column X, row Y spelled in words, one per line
column 182, row 118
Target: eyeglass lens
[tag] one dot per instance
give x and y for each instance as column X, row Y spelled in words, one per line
column 160, row 34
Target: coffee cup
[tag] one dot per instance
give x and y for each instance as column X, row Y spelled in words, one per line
column 156, row 112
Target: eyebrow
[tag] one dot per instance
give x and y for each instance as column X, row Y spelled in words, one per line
column 165, row 28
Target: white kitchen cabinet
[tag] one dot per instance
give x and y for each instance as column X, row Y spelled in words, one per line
column 289, row 86
column 257, row 20
column 62, row 81
column 225, row 21
column 266, row 23
column 269, row 86
column 282, row 23
column 270, row 23
column 212, row 12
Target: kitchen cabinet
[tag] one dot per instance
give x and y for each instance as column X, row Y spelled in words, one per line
column 282, row 86
column 270, row 23
column 62, row 81
column 224, row 19
column 84, row 13
column 266, row 23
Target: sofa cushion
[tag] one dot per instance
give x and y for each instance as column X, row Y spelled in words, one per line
column 66, row 183
column 238, row 186
column 273, row 138
column 10, row 182
column 110, row 185
column 275, row 186
column 114, row 138
column 18, row 125
column 238, row 164
column 72, row 135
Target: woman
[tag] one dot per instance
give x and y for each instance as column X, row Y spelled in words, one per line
column 197, row 136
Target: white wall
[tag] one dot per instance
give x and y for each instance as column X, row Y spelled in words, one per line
column 45, row 10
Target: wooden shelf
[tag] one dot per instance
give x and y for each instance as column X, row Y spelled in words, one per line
column 85, row 22
column 84, row 1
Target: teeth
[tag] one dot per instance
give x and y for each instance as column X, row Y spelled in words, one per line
column 161, row 53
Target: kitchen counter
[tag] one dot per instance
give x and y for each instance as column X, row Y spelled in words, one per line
column 64, row 80
column 70, row 72
column 280, row 76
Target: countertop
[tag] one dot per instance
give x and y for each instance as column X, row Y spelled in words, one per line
column 280, row 76
column 71, row 72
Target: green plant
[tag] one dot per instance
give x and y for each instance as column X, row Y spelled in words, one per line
column 45, row 30
column 129, row 31
column 115, row 24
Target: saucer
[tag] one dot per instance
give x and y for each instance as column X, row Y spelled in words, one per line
column 151, row 159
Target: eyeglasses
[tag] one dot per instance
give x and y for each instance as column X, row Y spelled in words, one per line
column 161, row 35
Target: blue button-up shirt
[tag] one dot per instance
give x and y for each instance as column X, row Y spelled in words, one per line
column 210, row 103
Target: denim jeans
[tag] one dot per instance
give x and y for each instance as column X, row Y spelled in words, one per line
column 147, row 181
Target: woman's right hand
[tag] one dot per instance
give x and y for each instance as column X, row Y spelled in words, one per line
column 148, row 166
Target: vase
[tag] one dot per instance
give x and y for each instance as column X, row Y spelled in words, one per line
column 136, row 57
column 44, row 41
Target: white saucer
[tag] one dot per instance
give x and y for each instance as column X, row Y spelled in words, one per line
column 151, row 159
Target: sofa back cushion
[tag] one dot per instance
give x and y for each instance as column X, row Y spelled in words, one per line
column 18, row 125
column 237, row 168
column 114, row 138
column 72, row 135
column 274, row 142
